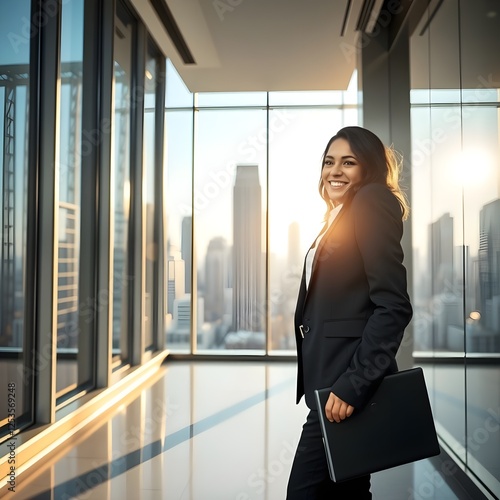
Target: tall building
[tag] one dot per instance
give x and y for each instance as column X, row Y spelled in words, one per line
column 175, row 281
column 186, row 250
column 441, row 250
column 489, row 264
column 216, row 278
column 248, row 297
column 447, row 306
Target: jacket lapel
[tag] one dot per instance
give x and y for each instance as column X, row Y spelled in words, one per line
column 317, row 255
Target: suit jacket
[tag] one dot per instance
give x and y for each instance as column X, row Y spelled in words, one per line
column 350, row 321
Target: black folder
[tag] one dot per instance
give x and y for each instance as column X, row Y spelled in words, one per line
column 395, row 427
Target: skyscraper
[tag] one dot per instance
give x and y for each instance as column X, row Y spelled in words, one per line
column 186, row 250
column 248, row 303
column 441, row 251
column 216, row 278
column 489, row 265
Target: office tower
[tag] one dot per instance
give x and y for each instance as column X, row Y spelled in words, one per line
column 446, row 307
column 248, row 303
column 186, row 250
column 180, row 331
column 175, row 281
column 216, row 278
column 441, row 251
column 489, row 265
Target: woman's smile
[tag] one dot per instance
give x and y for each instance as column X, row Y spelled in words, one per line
column 341, row 169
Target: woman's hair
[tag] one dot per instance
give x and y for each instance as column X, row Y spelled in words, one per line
column 379, row 164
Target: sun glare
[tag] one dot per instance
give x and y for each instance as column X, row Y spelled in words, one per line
column 472, row 167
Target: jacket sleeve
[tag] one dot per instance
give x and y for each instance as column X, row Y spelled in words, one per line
column 378, row 232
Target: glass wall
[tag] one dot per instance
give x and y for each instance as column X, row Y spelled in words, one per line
column 15, row 329
column 456, row 193
column 81, row 153
column 69, row 340
column 238, row 229
column 150, row 198
column 179, row 125
column 230, row 185
column 297, row 140
column 125, row 38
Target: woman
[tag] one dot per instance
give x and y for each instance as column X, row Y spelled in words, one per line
column 353, row 304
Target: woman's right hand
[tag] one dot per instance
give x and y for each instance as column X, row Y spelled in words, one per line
column 336, row 409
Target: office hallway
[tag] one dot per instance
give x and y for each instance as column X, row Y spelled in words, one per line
column 205, row 431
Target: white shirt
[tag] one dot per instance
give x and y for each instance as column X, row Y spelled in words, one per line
column 312, row 251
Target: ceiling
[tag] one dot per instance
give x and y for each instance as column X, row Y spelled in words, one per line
column 258, row 45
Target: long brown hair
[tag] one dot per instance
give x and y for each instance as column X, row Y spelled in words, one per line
column 379, row 164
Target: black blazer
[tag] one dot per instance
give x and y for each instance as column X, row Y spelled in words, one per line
column 350, row 321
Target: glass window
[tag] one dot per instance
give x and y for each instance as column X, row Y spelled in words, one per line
column 297, row 139
column 326, row 97
column 455, row 212
column 177, row 94
column 230, row 185
column 227, row 99
column 479, row 174
column 439, row 222
column 70, row 206
column 150, row 138
column 125, row 34
column 239, row 289
column 444, row 59
column 15, row 333
column 178, row 205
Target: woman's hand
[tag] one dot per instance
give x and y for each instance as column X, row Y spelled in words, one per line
column 336, row 409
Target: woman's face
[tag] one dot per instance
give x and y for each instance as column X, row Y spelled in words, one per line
column 341, row 170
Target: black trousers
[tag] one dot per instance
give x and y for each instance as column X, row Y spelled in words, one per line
column 309, row 478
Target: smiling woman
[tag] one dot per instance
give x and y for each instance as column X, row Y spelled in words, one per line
column 341, row 170
column 352, row 305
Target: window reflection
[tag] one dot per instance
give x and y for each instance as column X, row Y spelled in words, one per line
column 178, row 199
column 15, row 335
column 69, row 213
column 455, row 222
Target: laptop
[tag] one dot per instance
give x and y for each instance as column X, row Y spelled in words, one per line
column 395, row 427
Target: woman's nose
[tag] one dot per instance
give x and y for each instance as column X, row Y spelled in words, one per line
column 336, row 170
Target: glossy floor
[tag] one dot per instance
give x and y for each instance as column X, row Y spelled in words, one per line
column 206, row 431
